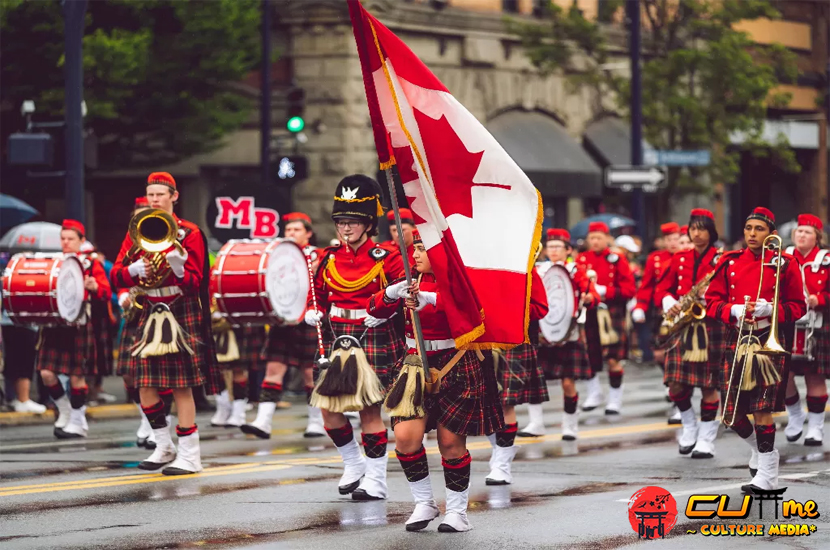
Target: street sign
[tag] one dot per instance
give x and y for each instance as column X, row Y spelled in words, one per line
column 677, row 158
column 626, row 178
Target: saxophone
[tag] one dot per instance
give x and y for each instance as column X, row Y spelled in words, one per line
column 692, row 308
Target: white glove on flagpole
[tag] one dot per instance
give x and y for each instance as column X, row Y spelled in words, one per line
column 313, row 317
column 176, row 261
column 426, row 298
column 137, row 269
column 398, row 291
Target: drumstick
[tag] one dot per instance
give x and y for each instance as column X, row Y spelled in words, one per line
column 323, row 359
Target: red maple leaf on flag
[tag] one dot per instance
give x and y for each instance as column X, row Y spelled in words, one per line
column 452, row 166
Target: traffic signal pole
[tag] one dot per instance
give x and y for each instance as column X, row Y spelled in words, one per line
column 638, row 207
column 73, row 26
column 265, row 92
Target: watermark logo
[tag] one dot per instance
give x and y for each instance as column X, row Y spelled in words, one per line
column 652, row 512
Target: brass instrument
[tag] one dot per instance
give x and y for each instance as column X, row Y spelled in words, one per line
column 154, row 231
column 691, row 309
column 772, row 347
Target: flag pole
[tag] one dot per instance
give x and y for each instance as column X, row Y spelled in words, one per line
column 416, row 320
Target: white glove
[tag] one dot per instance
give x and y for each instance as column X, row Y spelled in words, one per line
column 176, row 260
column 602, row 290
column 216, row 315
column 137, row 269
column 398, row 291
column 373, row 322
column 425, row 298
column 762, row 309
column 313, row 317
column 737, row 311
column 123, row 299
column 668, row 303
column 638, row 315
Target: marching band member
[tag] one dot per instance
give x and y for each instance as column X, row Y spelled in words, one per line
column 522, row 381
column 408, row 226
column 465, row 402
column 695, row 358
column 733, row 298
column 130, row 306
column 815, row 267
column 685, row 242
column 569, row 361
column 615, row 285
column 70, row 350
column 175, row 349
column 289, row 346
column 657, row 264
column 347, row 277
column 237, row 350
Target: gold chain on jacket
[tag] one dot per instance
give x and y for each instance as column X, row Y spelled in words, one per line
column 337, row 282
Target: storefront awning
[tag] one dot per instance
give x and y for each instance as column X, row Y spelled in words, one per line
column 553, row 161
column 608, row 141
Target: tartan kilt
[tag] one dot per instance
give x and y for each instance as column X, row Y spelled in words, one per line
column 67, row 350
column 618, row 351
column 766, row 399
column 175, row 370
column 521, row 378
column 467, row 402
column 293, row 345
column 128, row 334
column 821, row 353
column 382, row 345
column 570, row 360
column 707, row 374
column 250, row 340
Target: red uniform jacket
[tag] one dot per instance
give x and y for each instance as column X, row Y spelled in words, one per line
column 95, row 269
column 190, row 239
column 613, row 272
column 684, row 273
column 434, row 325
column 352, row 266
column 657, row 264
column 739, row 278
column 817, row 281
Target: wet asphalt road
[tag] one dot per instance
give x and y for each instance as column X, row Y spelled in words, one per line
column 281, row 493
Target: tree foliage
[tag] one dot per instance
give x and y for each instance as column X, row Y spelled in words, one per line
column 702, row 80
column 157, row 73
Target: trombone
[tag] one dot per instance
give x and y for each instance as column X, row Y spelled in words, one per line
column 746, row 352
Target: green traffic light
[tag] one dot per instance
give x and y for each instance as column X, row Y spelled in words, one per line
column 295, row 124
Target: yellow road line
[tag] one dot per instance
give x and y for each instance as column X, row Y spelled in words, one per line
column 155, row 478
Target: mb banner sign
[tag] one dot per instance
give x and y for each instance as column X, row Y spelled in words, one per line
column 246, row 211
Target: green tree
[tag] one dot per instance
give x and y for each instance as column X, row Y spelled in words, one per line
column 158, row 74
column 702, row 80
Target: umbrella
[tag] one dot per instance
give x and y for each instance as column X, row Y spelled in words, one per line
column 14, row 211
column 614, row 222
column 785, row 230
column 33, row 236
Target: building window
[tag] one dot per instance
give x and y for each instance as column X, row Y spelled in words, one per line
column 541, row 8
column 510, row 6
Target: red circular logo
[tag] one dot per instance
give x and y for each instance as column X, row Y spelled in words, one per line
column 652, row 512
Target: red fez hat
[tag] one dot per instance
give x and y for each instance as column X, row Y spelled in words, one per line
column 703, row 213
column 601, row 227
column 141, row 202
column 297, row 217
column 669, row 228
column 555, row 234
column 162, row 178
column 763, row 214
column 684, row 230
column 406, row 216
column 811, row 220
column 75, row 225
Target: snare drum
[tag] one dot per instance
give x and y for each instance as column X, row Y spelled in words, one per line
column 802, row 343
column 257, row 282
column 44, row 289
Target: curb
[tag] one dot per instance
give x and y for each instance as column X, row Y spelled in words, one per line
column 95, row 413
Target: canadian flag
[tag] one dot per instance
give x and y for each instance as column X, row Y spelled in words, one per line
column 478, row 214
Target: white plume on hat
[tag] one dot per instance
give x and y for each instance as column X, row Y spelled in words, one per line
column 628, row 243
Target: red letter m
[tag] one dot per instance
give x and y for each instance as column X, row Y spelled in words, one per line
column 230, row 210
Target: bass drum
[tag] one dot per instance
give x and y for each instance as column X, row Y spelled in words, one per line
column 257, row 282
column 557, row 326
column 44, row 289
